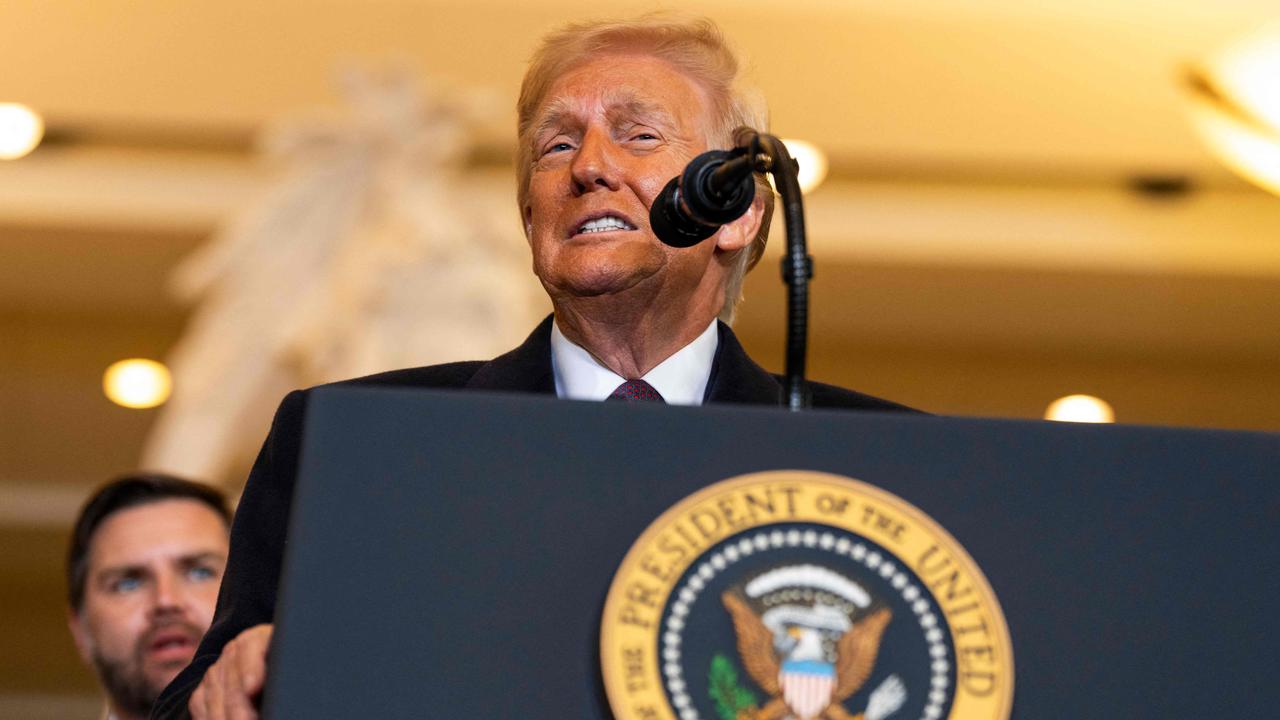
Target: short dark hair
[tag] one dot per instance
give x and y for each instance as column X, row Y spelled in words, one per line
column 122, row 493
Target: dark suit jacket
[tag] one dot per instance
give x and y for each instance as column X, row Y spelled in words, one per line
column 248, row 594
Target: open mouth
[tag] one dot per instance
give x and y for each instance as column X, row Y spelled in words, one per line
column 167, row 644
column 608, row 222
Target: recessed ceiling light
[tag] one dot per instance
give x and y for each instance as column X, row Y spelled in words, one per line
column 812, row 163
column 1235, row 105
column 137, row 383
column 20, row 130
column 1080, row 408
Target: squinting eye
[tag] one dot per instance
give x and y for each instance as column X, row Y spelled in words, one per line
column 558, row 147
column 201, row 573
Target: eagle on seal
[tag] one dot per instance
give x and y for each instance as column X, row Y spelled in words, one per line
column 795, row 671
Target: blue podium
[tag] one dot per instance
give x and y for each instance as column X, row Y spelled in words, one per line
column 455, row 555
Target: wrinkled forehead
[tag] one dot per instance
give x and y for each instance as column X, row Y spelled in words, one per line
column 638, row 87
column 615, row 103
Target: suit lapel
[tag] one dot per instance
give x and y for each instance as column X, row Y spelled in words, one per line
column 735, row 378
column 525, row 369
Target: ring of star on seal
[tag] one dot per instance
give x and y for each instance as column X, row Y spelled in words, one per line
column 801, row 594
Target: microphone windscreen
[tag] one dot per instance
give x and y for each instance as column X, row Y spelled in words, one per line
column 672, row 224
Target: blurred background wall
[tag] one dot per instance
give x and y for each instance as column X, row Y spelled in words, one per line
column 1018, row 208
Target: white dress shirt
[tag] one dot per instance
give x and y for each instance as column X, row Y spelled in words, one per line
column 681, row 379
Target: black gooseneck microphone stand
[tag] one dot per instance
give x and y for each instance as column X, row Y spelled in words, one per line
column 771, row 156
column 717, row 187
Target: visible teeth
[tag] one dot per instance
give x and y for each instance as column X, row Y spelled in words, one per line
column 603, row 224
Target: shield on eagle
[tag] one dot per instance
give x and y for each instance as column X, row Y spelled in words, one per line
column 807, row 686
column 808, row 636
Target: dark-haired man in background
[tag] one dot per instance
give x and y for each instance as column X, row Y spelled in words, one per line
column 146, row 557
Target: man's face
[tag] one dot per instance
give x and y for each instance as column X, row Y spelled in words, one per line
column 608, row 137
column 152, row 580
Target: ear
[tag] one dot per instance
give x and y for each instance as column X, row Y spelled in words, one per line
column 739, row 233
column 526, row 214
column 80, row 634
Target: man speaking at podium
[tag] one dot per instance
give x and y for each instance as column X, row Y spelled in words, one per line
column 608, row 114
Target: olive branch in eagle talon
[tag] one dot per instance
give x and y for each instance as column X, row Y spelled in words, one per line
column 856, row 652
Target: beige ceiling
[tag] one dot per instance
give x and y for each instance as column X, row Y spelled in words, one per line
column 1085, row 86
column 1019, row 124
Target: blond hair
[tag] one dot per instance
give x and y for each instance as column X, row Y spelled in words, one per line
column 694, row 46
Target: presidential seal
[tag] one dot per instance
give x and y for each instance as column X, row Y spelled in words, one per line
column 802, row 595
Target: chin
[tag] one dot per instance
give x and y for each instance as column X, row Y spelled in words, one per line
column 600, row 275
column 598, row 283
column 159, row 681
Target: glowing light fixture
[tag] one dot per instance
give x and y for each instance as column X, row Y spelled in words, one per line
column 1235, row 104
column 1080, row 408
column 137, row 383
column 813, row 163
column 20, row 130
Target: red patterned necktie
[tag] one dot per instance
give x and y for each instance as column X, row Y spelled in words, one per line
column 636, row 391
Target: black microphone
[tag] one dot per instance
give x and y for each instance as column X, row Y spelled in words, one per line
column 715, row 188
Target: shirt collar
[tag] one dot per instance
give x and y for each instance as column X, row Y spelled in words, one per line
column 681, row 379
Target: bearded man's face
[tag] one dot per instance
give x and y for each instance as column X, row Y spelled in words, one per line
column 152, row 581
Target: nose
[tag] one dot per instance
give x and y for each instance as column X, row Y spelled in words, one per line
column 594, row 166
column 168, row 595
